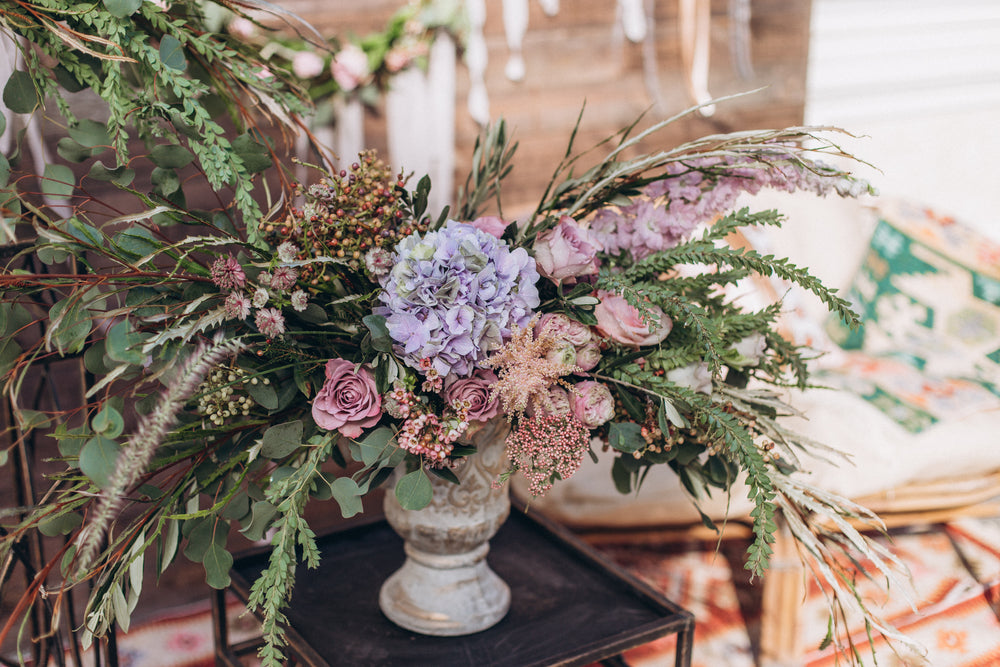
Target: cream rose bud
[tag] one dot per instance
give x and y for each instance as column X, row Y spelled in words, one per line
column 349, row 402
column 592, row 403
column 620, row 321
column 751, row 348
column 696, row 377
column 566, row 251
column 564, row 354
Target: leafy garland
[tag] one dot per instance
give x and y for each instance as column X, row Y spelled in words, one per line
column 156, row 73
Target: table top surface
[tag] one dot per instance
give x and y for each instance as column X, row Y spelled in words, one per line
column 569, row 606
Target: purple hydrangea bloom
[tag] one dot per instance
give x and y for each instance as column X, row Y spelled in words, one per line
column 453, row 296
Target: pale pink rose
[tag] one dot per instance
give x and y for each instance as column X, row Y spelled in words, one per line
column 566, row 251
column 561, row 326
column 490, row 224
column 558, row 405
column 242, row 28
column 592, row 403
column 349, row 401
column 588, row 355
column 349, row 68
column 475, row 389
column 397, row 59
column 697, row 377
column 306, row 64
column 619, row 321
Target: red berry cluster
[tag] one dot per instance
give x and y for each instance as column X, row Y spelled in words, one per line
column 345, row 215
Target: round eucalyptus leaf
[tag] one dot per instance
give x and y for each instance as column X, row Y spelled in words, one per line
column 121, row 175
column 98, row 458
column 170, row 156
column 58, row 181
column 172, row 53
column 60, row 525
column 19, row 93
column 91, row 134
column 122, row 8
column 414, row 490
column 108, row 422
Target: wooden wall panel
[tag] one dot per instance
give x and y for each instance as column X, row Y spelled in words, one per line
column 579, row 56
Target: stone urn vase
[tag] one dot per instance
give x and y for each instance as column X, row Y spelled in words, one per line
column 445, row 587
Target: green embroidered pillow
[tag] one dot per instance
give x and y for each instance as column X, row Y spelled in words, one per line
column 928, row 291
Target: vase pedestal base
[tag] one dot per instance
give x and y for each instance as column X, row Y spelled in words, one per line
column 445, row 595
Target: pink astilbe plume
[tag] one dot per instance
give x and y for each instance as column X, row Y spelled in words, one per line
column 523, row 371
column 547, row 449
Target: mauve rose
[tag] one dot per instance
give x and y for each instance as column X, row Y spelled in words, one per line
column 306, row 64
column 619, row 321
column 566, row 251
column 696, row 377
column 592, row 403
column 348, row 401
column 476, row 390
column 490, row 224
column 349, row 68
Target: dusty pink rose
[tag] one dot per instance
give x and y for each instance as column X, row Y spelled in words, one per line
column 490, row 224
column 476, row 390
column 306, row 64
column 619, row 321
column 349, row 67
column 348, row 401
column 592, row 403
column 561, row 326
column 588, row 355
column 566, row 251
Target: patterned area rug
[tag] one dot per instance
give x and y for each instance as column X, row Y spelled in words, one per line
column 956, row 570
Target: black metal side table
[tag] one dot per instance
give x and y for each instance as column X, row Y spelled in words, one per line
column 569, row 605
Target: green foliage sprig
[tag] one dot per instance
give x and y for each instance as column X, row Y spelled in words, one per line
column 293, row 539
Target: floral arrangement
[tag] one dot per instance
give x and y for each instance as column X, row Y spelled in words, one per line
column 246, row 360
column 361, row 67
